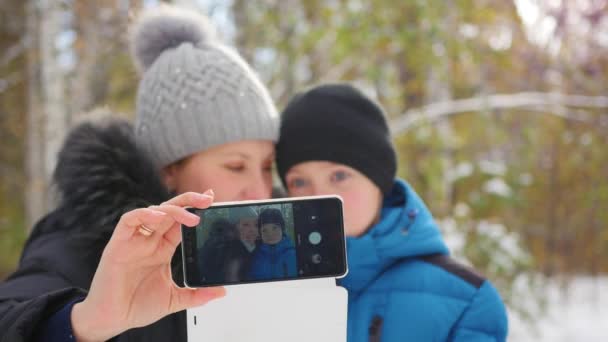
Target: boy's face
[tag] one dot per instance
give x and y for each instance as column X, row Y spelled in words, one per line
column 271, row 233
column 362, row 198
column 248, row 229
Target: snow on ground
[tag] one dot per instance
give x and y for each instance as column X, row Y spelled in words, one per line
column 578, row 312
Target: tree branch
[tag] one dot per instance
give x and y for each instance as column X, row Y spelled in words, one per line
column 12, row 52
column 9, row 81
column 554, row 104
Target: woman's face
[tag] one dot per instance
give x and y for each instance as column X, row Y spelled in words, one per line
column 271, row 233
column 248, row 229
column 235, row 171
column 362, row 198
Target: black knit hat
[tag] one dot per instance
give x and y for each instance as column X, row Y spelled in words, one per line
column 337, row 123
column 271, row 215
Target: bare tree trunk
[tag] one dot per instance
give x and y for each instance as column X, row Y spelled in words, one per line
column 287, row 77
column 36, row 188
column 100, row 36
column 243, row 35
column 53, row 88
column 47, row 115
column 90, row 65
column 549, row 265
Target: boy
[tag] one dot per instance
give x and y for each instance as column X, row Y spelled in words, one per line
column 276, row 255
column 402, row 284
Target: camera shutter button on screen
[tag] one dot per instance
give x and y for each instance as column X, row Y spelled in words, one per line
column 314, row 238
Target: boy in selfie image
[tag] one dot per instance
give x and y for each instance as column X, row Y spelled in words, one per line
column 402, row 284
column 275, row 257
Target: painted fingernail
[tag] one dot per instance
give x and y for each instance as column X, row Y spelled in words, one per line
column 204, row 196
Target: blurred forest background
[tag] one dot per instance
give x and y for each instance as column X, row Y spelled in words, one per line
column 499, row 109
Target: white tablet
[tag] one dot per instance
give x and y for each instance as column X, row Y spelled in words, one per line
column 307, row 310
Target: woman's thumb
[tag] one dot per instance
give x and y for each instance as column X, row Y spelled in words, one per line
column 188, row 298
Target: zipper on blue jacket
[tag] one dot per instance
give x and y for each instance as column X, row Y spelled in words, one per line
column 375, row 329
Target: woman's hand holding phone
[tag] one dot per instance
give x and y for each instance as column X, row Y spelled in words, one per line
column 132, row 286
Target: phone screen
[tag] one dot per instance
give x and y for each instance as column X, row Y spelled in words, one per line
column 265, row 241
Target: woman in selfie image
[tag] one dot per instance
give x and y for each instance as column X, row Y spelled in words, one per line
column 99, row 265
column 245, row 220
column 402, row 284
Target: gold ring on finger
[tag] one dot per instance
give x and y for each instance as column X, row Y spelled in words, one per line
column 144, row 230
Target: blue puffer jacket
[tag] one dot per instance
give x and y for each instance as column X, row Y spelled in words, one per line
column 274, row 261
column 403, row 286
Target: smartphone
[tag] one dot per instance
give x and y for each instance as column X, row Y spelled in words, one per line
column 262, row 241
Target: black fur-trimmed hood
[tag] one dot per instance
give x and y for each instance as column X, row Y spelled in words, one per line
column 101, row 174
column 101, row 171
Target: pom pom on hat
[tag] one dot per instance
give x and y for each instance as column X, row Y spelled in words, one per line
column 166, row 27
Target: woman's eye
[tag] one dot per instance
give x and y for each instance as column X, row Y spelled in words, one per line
column 235, row 167
column 339, row 176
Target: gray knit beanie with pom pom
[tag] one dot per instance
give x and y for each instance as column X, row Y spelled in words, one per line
column 195, row 93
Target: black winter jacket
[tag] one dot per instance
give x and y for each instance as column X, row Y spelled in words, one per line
column 100, row 175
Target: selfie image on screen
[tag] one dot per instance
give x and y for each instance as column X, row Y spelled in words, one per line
column 286, row 239
column 246, row 243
